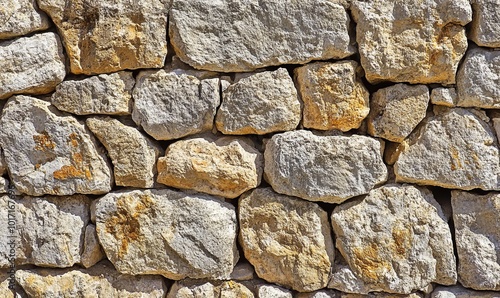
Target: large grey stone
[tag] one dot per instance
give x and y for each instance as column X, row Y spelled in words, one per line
column 20, row 17
column 192, row 288
column 461, row 292
column 485, row 28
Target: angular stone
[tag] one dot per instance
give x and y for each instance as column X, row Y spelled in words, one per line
column 477, row 81
column 243, row 271
column 330, row 169
column 46, row 231
column 195, row 289
column 426, row 41
column 170, row 105
column 31, row 65
column 224, row 166
column 454, row 149
column 92, row 251
column 334, row 96
column 113, row 35
column 396, row 239
column 102, row 280
column 272, row 291
column 319, row 294
column 54, row 154
column 5, row 282
column 287, row 240
column 133, row 155
column 260, row 103
column 381, row 295
column 235, row 36
column 461, row 292
column 444, row 97
column 485, row 29
column 104, row 94
column 167, row 232
column 477, row 237
column 397, row 110
column 20, row 17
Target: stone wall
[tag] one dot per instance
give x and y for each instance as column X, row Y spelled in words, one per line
column 230, row 148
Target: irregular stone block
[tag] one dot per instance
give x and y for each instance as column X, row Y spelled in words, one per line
column 31, row 65
column 381, row 295
column 287, row 240
column 426, row 41
column 171, row 106
column 485, row 29
column 259, row 103
column 225, row 166
column 444, row 97
column 477, row 237
column 236, row 36
column 167, row 232
column 5, row 282
column 319, row 294
column 92, row 251
column 330, row 169
column 20, row 17
column 104, row 94
column 113, row 35
column 272, row 291
column 243, row 271
column 194, row 288
column 461, row 292
column 54, row 154
column 396, row 239
column 334, row 96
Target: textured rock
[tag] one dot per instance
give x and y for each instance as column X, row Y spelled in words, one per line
column 167, row 232
column 54, row 154
column 477, row 237
column 396, row 239
column 104, row 94
column 225, row 166
column 235, row 36
column 107, row 36
column 261, row 103
column 319, row 294
column 444, row 97
column 133, row 155
column 460, row 292
column 397, row 110
column 48, row 231
column 350, row 166
column 92, row 251
column 101, row 280
column 286, row 239
column 334, row 96
column 31, row 65
column 485, row 29
column 409, row 41
column 478, row 77
column 5, row 291
column 272, row 291
column 20, row 17
column 454, row 149
column 243, row 271
column 381, row 295
column 170, row 106
column 197, row 289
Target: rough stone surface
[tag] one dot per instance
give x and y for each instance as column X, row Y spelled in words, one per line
column 381, row 295
column 197, row 289
column 167, row 232
column 224, row 166
column 319, row 294
column 461, row 292
column 350, row 166
column 104, row 94
column 286, row 239
column 272, row 291
column 397, row 110
column 92, row 251
column 478, row 77
column 477, row 237
column 54, row 154
column 444, row 97
column 409, row 41
column 20, row 17
column 101, row 280
column 396, row 239
column 485, row 28
column 234, row 36
column 454, row 149
column 170, row 105
column 31, row 65
column 133, row 155
column 108, row 36
column 48, row 231
column 243, row 271
column 261, row 103
column 334, row 96
column 5, row 291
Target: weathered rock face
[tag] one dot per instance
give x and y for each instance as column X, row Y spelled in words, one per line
column 351, row 166
column 92, row 251
column 426, row 41
column 108, row 36
column 444, row 96
column 31, row 65
column 477, row 82
column 333, row 94
column 168, row 232
column 242, row 36
column 272, row 291
column 194, row 288
column 485, row 29
column 225, row 166
column 397, row 110
column 461, row 292
column 133, row 155
column 286, row 239
column 477, row 236
column 319, row 294
column 261, row 103
column 104, row 94
column 170, row 105
column 454, row 149
column 5, row 291
column 53, row 154
column 47, row 231
column 101, row 280
column 396, row 239
column 20, row 17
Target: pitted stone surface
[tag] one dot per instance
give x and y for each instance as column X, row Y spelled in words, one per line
column 20, row 17
column 485, row 28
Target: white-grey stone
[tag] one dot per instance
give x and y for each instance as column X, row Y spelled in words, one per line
column 92, row 251
column 193, row 288
column 444, row 96
column 20, row 17
column 318, row 294
column 485, row 28
column 272, row 291
column 461, row 292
